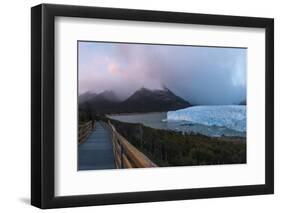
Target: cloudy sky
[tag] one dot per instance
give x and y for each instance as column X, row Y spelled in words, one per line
column 201, row 75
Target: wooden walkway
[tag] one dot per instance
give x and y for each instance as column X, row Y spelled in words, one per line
column 97, row 151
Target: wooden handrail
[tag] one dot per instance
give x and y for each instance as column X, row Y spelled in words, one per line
column 84, row 130
column 127, row 155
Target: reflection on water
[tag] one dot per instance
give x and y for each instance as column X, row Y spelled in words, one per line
column 158, row 120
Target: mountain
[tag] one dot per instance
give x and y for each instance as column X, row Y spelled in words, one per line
column 86, row 97
column 107, row 95
column 104, row 102
column 143, row 100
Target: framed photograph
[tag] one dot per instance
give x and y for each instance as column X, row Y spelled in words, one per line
column 139, row 106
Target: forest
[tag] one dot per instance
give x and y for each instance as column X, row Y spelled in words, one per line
column 170, row 148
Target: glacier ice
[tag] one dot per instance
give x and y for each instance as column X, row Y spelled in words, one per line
column 230, row 116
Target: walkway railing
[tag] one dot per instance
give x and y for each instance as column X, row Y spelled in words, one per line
column 84, row 130
column 126, row 155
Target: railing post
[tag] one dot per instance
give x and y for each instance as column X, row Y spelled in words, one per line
column 128, row 156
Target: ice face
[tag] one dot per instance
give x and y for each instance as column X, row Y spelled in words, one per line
column 230, row 116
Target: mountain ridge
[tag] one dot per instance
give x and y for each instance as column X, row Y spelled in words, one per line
column 142, row 100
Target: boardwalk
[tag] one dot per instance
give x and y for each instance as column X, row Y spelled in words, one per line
column 96, row 152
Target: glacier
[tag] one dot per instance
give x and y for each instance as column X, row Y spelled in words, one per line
column 230, row 116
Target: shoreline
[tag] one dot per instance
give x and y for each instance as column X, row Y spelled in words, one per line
column 133, row 113
column 229, row 135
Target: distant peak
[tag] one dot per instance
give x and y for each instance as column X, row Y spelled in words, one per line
column 86, row 96
column 87, row 93
column 108, row 95
column 144, row 88
column 107, row 92
column 164, row 87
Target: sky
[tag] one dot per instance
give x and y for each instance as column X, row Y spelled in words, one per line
column 200, row 75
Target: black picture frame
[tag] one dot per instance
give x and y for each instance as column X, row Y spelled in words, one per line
column 43, row 94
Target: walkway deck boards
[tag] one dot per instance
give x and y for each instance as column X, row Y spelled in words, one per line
column 96, row 152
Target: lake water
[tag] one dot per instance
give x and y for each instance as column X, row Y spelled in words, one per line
column 158, row 120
